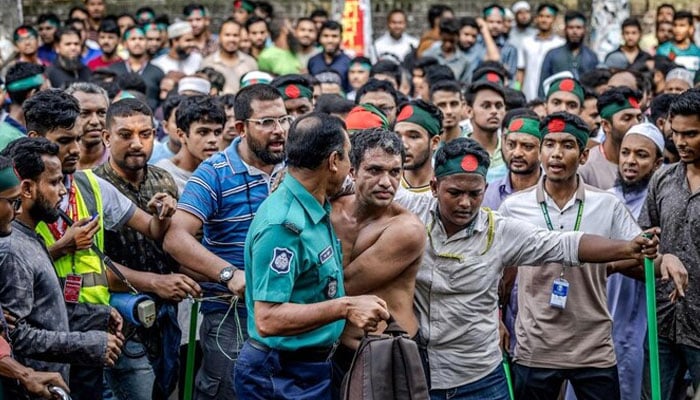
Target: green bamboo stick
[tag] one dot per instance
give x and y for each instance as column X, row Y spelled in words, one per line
column 191, row 346
column 650, row 279
column 509, row 379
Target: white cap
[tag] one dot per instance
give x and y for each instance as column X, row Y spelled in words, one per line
column 194, row 84
column 682, row 74
column 509, row 14
column 178, row 29
column 520, row 5
column 559, row 75
column 254, row 77
column 650, row 131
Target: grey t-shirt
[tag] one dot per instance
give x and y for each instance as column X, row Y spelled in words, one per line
column 179, row 175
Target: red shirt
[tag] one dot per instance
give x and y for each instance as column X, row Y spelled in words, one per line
column 99, row 62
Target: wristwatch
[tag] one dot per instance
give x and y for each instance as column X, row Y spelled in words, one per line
column 226, row 274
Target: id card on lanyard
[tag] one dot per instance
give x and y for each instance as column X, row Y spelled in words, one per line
column 560, row 286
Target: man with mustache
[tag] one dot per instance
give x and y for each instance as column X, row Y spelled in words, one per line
column 46, row 335
column 641, row 154
column 67, row 68
column 222, row 197
column 374, row 231
column 93, row 101
column 229, row 59
column 182, row 55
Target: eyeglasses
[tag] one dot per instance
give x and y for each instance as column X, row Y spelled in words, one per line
column 268, row 124
column 16, row 203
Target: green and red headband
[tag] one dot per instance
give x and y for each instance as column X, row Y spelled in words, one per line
column 197, row 12
column 24, row 32
column 567, row 85
column 129, row 31
column 491, row 77
column 30, row 82
column 611, row 109
column 556, row 125
column 9, row 178
column 366, row 116
column 468, row 163
column 295, row 91
column 488, row 11
column 244, row 4
column 530, row 126
column 414, row 114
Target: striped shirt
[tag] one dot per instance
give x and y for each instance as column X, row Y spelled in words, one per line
column 224, row 193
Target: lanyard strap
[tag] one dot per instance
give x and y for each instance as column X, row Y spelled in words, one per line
column 548, row 220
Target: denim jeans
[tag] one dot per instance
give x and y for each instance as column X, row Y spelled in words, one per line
column 491, row 387
column 674, row 361
column 214, row 380
column 545, row 383
column 132, row 376
column 262, row 375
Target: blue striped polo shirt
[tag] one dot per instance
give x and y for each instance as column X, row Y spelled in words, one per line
column 224, row 193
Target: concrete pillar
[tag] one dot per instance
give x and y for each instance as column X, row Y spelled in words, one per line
column 11, row 17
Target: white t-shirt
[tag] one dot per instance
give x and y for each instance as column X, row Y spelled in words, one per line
column 530, row 58
column 188, row 66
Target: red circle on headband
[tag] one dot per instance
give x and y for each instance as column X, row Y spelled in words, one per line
column 493, row 77
column 469, row 163
column 567, row 85
column 515, row 125
column 405, row 113
column 292, row 91
column 556, row 125
column 633, row 102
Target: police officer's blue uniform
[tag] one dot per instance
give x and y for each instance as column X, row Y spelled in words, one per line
column 292, row 255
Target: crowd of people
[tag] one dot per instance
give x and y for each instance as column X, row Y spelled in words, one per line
column 493, row 187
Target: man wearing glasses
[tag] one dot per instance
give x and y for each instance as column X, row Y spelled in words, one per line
column 221, row 197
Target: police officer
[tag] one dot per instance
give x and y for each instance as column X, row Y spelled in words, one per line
column 294, row 280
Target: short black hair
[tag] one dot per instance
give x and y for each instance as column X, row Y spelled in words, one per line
column 375, row 85
column 514, row 98
column 50, row 18
column 215, row 78
column 331, row 26
column 589, row 93
column 254, row 19
column 595, row 77
column 145, row 9
column 127, row 108
column 424, row 63
column 131, row 81
column 491, row 66
column 6, row 162
column 664, row 64
column 387, row 67
column 449, row 26
column 231, row 20
column 318, row 12
column 245, row 97
column 617, row 95
column 313, row 138
column 686, row 15
column 189, row 8
column 368, row 139
column 265, row 7
column 660, row 105
column 522, row 112
column 171, row 104
column 461, row 147
column 468, row 21
column 572, row 15
column 72, row 21
column 534, row 103
column 21, row 70
column 361, row 60
column 109, row 25
column 568, row 118
column 49, row 110
column 77, row 8
column 451, row 86
column 201, row 108
column 227, row 100
column 438, row 73
column 396, row 11
column 26, row 154
column 666, row 5
column 66, row 30
column 686, row 104
column 631, row 21
column 435, row 11
column 477, row 87
column 333, row 104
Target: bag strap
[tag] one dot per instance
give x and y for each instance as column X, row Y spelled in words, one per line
column 393, row 328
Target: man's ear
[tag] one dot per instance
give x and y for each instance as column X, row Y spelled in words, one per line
column 106, row 136
column 33, row 134
column 240, row 127
column 434, row 186
column 583, row 157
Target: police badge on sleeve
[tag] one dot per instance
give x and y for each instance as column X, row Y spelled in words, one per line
column 281, row 260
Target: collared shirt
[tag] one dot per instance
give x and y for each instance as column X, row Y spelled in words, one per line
column 278, row 61
column 530, row 59
column 456, row 296
column 497, row 191
column 340, row 64
column 126, row 245
column 211, row 45
column 458, row 61
column 671, row 206
column 422, row 190
column 581, row 334
column 225, row 193
column 563, row 59
column 292, row 255
column 400, row 48
column 244, row 64
column 598, row 171
column 627, row 303
column 188, row 66
column 497, row 167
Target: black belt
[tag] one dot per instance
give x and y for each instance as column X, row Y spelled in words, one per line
column 305, row 354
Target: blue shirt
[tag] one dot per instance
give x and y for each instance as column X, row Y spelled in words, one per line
column 224, row 193
column 46, row 53
column 562, row 59
column 496, row 192
column 339, row 64
column 161, row 151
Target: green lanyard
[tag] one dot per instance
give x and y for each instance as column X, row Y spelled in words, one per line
column 548, row 220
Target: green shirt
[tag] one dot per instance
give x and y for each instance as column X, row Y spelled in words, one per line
column 8, row 134
column 292, row 255
column 278, row 61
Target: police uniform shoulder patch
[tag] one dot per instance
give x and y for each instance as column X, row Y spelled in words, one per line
column 291, row 227
column 325, row 254
column 281, row 260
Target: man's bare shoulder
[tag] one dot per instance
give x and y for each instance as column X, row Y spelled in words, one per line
column 406, row 225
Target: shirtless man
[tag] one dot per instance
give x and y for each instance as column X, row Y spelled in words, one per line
column 382, row 242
